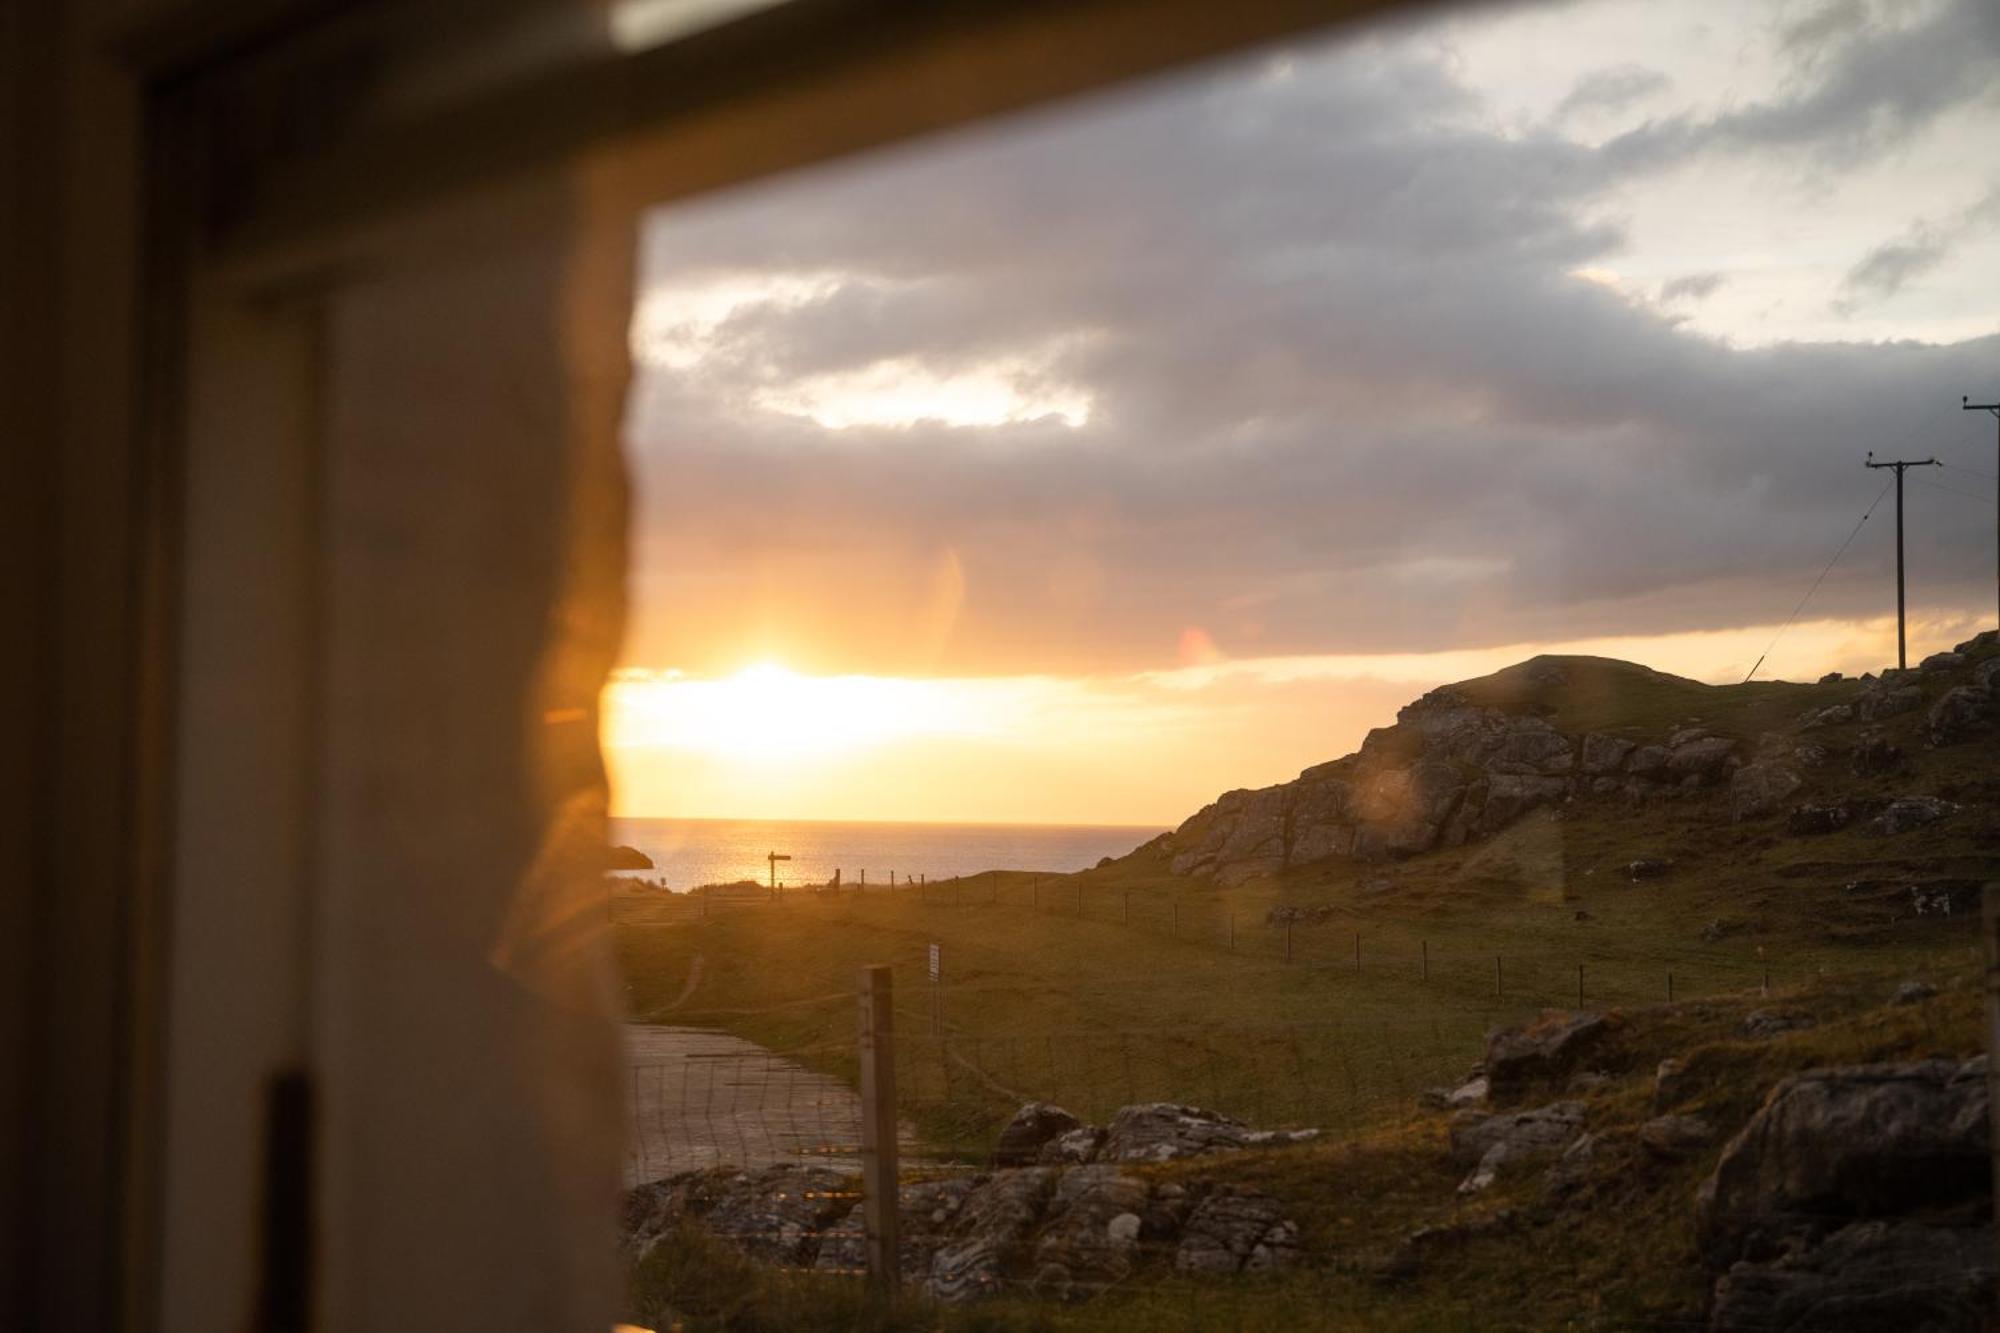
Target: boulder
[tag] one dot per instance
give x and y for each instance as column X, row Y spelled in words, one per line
column 1845, row 1143
column 1888, row 699
column 1907, row 813
column 1033, row 1126
column 1079, row 1145
column 1875, row 756
column 1674, row 1137
column 1941, row 662
column 1986, row 638
column 1236, row 1229
column 990, row 1234
column 1091, row 1236
column 1490, row 1144
column 1831, row 678
column 1959, row 712
column 1704, row 759
column 778, row 1213
column 1879, row 1276
column 1913, row 992
column 1810, row 819
column 1648, row 867
column 1605, row 754
column 1167, row 1131
column 1546, row 1050
column 1831, row 716
column 1648, row 761
column 927, row 1212
column 1761, row 788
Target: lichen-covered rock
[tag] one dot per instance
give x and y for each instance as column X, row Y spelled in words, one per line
column 778, row 1213
column 1034, row 1125
column 1906, row 813
column 1091, row 1235
column 1889, row 1277
column 1937, row 662
column 1236, row 1229
column 991, row 1234
column 1833, row 715
column 1078, row 1146
column 927, row 1213
column 1842, row 1143
column 1168, row 1131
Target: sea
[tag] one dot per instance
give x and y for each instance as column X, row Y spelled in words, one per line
column 688, row 853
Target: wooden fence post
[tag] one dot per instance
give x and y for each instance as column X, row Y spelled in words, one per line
column 878, row 1127
column 1670, row 986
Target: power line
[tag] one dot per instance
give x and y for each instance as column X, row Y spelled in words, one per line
column 1951, row 490
column 1852, row 534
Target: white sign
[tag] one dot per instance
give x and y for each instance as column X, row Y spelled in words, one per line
column 936, row 968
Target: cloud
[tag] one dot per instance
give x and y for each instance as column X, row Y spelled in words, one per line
column 1893, row 265
column 1691, row 287
column 1343, row 395
column 1610, row 89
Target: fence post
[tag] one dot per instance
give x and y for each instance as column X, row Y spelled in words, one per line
column 878, row 1126
column 1670, row 986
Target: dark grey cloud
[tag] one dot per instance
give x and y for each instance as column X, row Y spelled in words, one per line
column 1610, row 89
column 1691, row 287
column 1893, row 265
column 1345, row 397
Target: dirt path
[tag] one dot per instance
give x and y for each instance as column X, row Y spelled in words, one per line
column 701, row 1098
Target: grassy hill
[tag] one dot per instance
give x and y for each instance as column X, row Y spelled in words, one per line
column 1128, row 983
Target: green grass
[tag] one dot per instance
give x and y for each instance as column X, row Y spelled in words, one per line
column 1122, row 984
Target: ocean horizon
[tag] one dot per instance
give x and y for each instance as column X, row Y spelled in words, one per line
column 688, row 853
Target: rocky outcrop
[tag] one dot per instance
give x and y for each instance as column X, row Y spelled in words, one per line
column 1887, row 1276
column 1909, row 812
column 1760, row 789
column 1059, row 1232
column 1450, row 771
column 1856, row 1197
column 1847, row 1143
column 1960, row 712
column 626, row 858
column 1490, row 1144
column 1546, row 1051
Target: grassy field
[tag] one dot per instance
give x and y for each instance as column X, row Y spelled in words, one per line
column 1619, row 1254
column 1127, row 983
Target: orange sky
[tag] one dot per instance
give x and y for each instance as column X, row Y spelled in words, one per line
column 1141, row 748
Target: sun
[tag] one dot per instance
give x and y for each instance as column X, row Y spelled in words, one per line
column 767, row 713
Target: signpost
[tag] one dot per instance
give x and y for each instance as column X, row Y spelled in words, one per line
column 774, row 858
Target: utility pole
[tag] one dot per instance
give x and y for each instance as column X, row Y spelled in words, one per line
column 1902, row 655
column 1967, row 405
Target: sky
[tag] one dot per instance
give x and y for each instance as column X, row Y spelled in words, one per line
column 1083, row 465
